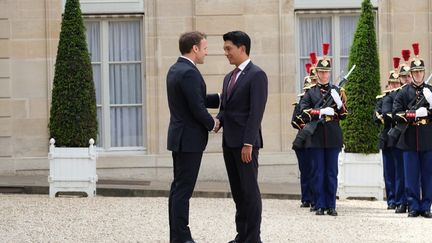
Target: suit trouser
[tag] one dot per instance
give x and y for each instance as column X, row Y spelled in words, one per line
column 325, row 179
column 185, row 167
column 400, row 196
column 418, row 170
column 246, row 194
column 306, row 175
column 389, row 169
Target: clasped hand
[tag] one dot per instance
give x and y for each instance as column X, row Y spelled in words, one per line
column 217, row 125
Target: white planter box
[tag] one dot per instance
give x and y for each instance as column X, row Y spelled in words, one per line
column 360, row 175
column 72, row 169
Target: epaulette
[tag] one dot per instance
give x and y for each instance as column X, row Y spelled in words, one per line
column 301, row 94
column 307, row 112
column 401, row 115
column 299, row 117
column 294, row 104
column 380, row 96
column 398, row 88
column 395, row 89
column 295, row 124
column 312, row 85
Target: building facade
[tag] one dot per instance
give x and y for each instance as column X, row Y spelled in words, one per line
column 132, row 45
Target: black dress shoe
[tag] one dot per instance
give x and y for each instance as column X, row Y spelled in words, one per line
column 401, row 209
column 305, row 205
column 413, row 214
column 319, row 211
column 427, row 214
column 332, row 212
column 313, row 209
column 391, row 207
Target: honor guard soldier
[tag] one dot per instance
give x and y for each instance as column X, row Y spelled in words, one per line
column 304, row 162
column 404, row 68
column 404, row 77
column 412, row 107
column 324, row 105
column 381, row 117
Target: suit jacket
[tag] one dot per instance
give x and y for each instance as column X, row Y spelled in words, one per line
column 241, row 113
column 189, row 119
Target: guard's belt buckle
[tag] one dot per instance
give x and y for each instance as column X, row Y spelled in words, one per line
column 422, row 122
column 328, row 118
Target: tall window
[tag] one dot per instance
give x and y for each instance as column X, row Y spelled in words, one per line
column 315, row 29
column 116, row 54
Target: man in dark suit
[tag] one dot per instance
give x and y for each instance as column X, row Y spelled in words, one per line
column 188, row 129
column 244, row 97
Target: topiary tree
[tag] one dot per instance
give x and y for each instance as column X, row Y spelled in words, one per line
column 359, row 130
column 73, row 119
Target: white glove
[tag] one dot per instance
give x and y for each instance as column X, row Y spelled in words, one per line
column 421, row 112
column 326, row 111
column 337, row 98
column 428, row 95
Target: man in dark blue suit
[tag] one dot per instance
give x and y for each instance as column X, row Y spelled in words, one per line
column 244, row 97
column 188, row 129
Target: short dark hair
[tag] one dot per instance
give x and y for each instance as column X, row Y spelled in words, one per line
column 238, row 38
column 189, row 39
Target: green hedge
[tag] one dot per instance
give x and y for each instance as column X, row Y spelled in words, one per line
column 73, row 119
column 360, row 131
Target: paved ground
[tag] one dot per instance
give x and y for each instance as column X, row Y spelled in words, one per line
column 38, row 218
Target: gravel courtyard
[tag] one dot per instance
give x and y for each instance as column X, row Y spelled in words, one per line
column 38, row 218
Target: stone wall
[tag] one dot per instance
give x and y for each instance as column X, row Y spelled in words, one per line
column 28, row 35
column 29, row 31
column 270, row 24
column 400, row 24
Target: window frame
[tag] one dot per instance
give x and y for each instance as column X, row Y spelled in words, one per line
column 105, row 82
column 109, row 6
column 332, row 4
column 335, row 15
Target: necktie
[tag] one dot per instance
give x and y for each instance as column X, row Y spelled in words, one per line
column 232, row 81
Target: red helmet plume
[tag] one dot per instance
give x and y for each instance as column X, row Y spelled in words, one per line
column 313, row 58
column 396, row 61
column 325, row 47
column 308, row 67
column 406, row 54
column 416, row 48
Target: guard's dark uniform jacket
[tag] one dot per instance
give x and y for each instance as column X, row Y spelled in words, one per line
column 296, row 120
column 328, row 133
column 379, row 118
column 393, row 164
column 419, row 131
column 389, row 122
column 305, row 163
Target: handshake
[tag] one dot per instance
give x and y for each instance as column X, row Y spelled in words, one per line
column 217, row 125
